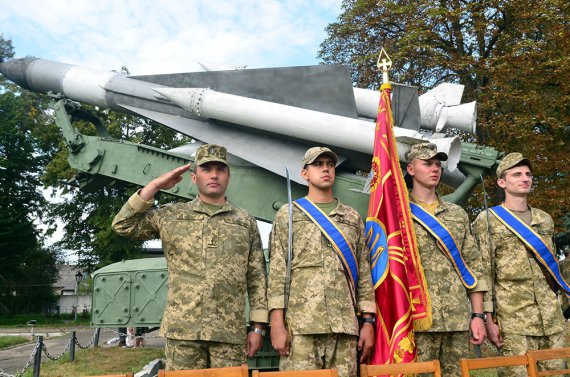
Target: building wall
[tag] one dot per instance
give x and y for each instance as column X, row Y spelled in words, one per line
column 66, row 303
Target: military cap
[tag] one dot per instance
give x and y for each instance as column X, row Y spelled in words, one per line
column 510, row 161
column 425, row 151
column 211, row 152
column 312, row 154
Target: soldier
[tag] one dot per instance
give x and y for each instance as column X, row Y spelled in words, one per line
column 321, row 328
column 452, row 264
column 214, row 256
column 515, row 235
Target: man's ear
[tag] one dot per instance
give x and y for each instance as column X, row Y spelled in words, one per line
column 410, row 169
column 193, row 176
column 304, row 174
column 501, row 182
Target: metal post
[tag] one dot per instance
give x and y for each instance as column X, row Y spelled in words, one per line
column 38, row 356
column 72, row 346
column 78, row 278
column 76, row 302
column 97, row 333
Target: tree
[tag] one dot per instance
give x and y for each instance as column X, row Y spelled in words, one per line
column 512, row 56
column 27, row 267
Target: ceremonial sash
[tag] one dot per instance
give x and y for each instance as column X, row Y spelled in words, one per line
column 544, row 254
column 446, row 243
column 337, row 239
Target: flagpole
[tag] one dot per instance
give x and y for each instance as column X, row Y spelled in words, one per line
column 400, row 289
column 384, row 64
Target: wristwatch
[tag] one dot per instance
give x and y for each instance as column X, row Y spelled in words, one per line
column 483, row 316
column 257, row 330
column 371, row 320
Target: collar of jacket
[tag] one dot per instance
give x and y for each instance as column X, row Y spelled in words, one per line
column 198, row 205
column 340, row 209
column 441, row 207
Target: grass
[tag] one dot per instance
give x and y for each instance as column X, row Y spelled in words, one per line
column 8, row 341
column 20, row 320
column 97, row 361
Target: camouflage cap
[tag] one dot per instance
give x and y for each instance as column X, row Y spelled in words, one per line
column 312, row 154
column 510, row 161
column 211, row 152
column 425, row 151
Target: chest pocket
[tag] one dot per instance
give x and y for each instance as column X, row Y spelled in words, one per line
column 456, row 226
column 512, row 257
column 350, row 231
column 545, row 233
column 182, row 239
column 307, row 244
column 235, row 237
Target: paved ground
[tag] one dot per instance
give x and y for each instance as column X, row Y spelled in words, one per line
column 55, row 339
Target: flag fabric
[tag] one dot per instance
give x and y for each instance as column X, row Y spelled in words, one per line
column 401, row 293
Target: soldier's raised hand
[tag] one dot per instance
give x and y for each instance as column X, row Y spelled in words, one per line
column 164, row 182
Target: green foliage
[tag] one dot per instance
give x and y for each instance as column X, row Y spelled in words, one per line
column 6, row 49
column 512, row 56
column 42, row 320
column 28, row 268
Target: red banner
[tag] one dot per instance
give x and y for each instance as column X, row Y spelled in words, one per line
column 401, row 292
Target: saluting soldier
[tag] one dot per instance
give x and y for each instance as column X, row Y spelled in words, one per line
column 330, row 279
column 519, row 242
column 214, row 256
column 453, row 266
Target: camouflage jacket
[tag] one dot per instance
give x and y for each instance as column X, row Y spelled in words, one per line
column 448, row 295
column 524, row 303
column 320, row 299
column 212, row 261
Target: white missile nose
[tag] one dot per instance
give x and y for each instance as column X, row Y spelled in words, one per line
column 187, row 98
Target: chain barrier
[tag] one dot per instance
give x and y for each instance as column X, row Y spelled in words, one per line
column 90, row 342
column 26, row 366
column 49, row 356
column 66, row 349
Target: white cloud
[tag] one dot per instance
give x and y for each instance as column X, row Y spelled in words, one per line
column 169, row 36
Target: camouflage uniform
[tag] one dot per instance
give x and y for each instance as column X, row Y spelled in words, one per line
column 448, row 337
column 565, row 271
column 528, row 310
column 213, row 260
column 321, row 317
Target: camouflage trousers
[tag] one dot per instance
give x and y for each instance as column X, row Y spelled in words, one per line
column 447, row 347
column 519, row 345
column 322, row 351
column 200, row 354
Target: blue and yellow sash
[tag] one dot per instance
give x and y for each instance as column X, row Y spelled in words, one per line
column 337, row 239
column 446, row 243
column 544, row 254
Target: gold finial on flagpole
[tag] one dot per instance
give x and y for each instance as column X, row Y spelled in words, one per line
column 384, row 63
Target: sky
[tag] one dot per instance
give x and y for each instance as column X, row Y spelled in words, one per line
column 169, row 36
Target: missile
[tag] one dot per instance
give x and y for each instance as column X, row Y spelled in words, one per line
column 440, row 108
column 260, row 122
column 314, row 126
